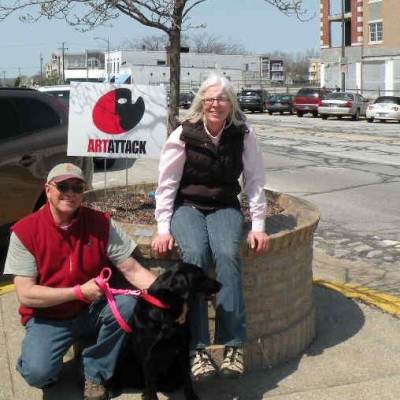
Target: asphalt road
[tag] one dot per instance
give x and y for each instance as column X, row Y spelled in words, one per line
column 350, row 169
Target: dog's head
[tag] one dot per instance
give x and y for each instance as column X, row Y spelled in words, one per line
column 181, row 283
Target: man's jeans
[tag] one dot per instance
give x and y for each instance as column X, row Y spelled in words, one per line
column 46, row 342
column 220, row 232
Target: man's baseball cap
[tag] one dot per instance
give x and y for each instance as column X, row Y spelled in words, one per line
column 64, row 171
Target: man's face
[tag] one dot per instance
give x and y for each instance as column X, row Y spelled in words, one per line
column 66, row 196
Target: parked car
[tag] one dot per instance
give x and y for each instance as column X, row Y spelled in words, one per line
column 280, row 102
column 384, row 108
column 342, row 104
column 61, row 92
column 307, row 100
column 185, row 99
column 253, row 99
column 33, row 139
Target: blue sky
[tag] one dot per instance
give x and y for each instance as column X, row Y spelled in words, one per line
column 256, row 25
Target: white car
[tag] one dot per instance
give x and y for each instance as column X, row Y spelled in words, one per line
column 384, row 108
column 59, row 91
column 342, row 104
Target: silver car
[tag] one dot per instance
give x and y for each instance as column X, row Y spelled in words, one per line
column 342, row 104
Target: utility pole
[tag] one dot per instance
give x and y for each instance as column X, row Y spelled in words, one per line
column 106, row 59
column 41, row 69
column 343, row 62
column 63, row 49
column 4, row 78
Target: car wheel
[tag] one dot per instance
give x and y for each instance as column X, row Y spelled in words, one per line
column 315, row 114
column 281, row 112
column 99, row 162
column 371, row 120
column 356, row 116
column 270, row 112
column 299, row 114
column 324, row 116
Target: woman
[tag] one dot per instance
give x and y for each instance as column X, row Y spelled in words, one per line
column 197, row 205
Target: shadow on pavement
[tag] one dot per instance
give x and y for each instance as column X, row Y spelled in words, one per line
column 338, row 319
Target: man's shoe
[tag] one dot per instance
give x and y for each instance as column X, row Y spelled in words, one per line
column 94, row 391
column 201, row 365
column 233, row 363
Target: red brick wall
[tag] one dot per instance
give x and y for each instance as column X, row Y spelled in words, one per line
column 325, row 28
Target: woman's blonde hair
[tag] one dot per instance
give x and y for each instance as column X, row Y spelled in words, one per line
column 195, row 112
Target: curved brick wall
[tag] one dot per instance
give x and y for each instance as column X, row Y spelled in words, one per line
column 277, row 284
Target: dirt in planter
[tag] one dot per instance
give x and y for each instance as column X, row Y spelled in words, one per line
column 138, row 208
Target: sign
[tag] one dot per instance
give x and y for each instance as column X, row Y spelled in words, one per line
column 116, row 121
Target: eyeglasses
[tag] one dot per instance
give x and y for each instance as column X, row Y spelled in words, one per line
column 64, row 187
column 220, row 100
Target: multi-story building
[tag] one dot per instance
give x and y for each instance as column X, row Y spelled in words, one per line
column 314, row 71
column 79, row 66
column 360, row 45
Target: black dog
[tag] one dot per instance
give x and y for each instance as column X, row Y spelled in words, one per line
column 156, row 355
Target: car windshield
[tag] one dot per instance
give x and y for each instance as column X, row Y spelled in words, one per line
column 249, row 93
column 307, row 92
column 339, row 96
column 279, row 97
column 388, row 99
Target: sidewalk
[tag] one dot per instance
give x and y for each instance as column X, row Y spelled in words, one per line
column 356, row 355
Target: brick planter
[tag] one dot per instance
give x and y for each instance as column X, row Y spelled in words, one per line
column 277, row 284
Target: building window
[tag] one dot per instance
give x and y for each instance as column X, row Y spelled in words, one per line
column 375, row 32
column 160, row 62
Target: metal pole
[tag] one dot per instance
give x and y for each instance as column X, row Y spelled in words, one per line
column 343, row 55
column 41, row 69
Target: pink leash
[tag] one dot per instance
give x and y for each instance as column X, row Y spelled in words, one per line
column 102, row 283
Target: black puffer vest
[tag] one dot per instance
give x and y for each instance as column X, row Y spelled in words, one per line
column 210, row 175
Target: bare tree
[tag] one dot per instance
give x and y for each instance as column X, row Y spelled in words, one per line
column 208, row 43
column 167, row 15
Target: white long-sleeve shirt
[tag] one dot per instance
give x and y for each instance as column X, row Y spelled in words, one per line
column 172, row 161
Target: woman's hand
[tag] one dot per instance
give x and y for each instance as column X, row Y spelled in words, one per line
column 162, row 244
column 258, row 241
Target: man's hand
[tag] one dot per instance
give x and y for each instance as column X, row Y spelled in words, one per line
column 258, row 241
column 162, row 244
column 91, row 291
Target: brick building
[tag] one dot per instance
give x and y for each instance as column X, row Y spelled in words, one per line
column 367, row 57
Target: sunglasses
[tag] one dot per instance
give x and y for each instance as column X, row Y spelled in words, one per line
column 64, row 187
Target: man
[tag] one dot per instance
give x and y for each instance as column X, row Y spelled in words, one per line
column 54, row 255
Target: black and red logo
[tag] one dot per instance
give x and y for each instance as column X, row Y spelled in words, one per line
column 114, row 112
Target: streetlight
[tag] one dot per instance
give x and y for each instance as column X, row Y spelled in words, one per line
column 108, row 55
column 343, row 55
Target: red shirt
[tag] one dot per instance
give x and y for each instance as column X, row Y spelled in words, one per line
column 64, row 257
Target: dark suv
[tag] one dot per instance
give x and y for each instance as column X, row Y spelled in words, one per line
column 253, row 99
column 33, row 139
column 307, row 100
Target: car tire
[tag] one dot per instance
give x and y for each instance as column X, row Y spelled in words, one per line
column 99, row 162
column 315, row 114
column 370, row 120
column 356, row 116
column 324, row 116
column 299, row 114
column 270, row 112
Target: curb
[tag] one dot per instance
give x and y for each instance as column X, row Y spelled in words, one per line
column 6, row 288
column 383, row 301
